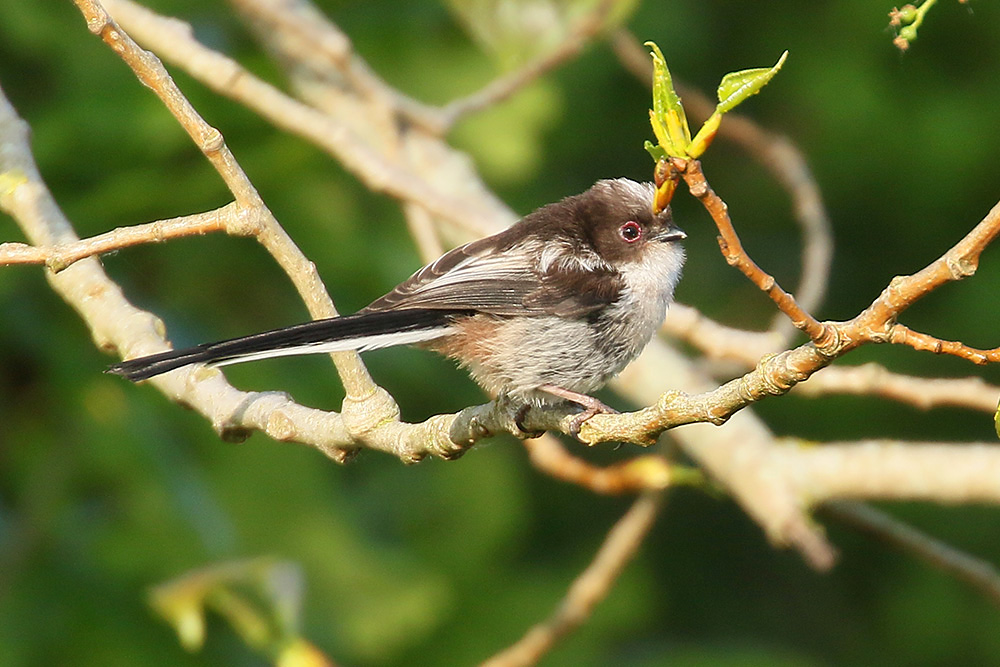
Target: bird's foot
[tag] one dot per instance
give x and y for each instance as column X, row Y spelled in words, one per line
column 591, row 406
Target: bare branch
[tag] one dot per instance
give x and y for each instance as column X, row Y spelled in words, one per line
column 961, row 261
column 718, row 341
column 870, row 379
column 149, row 70
column 588, row 589
column 173, row 40
column 644, row 473
column 943, row 472
column 978, row 573
column 115, row 323
column 735, row 255
column 902, row 335
column 57, row 258
column 503, row 87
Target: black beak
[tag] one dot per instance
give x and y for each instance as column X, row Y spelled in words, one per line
column 671, row 234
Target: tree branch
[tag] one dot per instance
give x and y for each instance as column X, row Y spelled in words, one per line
column 57, row 258
column 585, row 29
column 587, row 590
column 981, row 575
column 779, row 156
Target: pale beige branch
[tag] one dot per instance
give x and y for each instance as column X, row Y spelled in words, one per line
column 585, row 29
column 424, row 232
column 592, row 586
column 716, row 340
column 265, row 228
column 57, row 258
column 173, row 40
column 936, row 471
column 304, row 38
column 873, row 379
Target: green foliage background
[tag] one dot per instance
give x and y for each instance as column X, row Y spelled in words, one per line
column 107, row 489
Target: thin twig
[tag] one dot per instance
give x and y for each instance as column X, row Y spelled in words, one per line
column 355, row 378
column 644, row 473
column 735, row 255
column 903, row 335
column 718, row 341
column 585, row 29
column 592, row 586
column 978, row 573
column 777, row 154
column 57, row 258
column 173, row 40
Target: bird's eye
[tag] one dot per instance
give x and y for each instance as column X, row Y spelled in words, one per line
column 630, row 231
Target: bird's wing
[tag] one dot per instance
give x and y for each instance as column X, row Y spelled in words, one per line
column 478, row 277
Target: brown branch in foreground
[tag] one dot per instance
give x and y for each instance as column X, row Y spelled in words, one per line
column 777, row 374
column 902, row 335
column 588, row 589
column 721, row 342
column 736, row 256
column 978, row 573
column 777, row 154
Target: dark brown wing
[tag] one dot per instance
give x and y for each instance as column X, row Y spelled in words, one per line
column 480, row 277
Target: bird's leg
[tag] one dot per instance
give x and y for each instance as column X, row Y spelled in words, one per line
column 591, row 406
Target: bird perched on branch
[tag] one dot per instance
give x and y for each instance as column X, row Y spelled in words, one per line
column 547, row 310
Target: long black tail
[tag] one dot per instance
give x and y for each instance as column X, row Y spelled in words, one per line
column 362, row 331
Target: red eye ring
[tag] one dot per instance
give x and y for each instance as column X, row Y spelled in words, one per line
column 630, row 231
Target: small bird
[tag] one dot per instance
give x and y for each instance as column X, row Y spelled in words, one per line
column 547, row 310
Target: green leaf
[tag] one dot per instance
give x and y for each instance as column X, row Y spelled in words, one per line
column 656, row 152
column 738, row 86
column 667, row 108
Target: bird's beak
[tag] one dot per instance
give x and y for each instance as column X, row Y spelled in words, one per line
column 672, row 234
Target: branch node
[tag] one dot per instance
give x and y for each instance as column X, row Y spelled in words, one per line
column 98, row 20
column 280, row 426
column 341, row 455
column 211, row 140
column 366, row 414
column 962, row 267
column 247, row 222
column 412, row 458
column 829, row 343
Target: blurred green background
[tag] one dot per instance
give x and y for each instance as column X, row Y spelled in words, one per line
column 107, row 489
